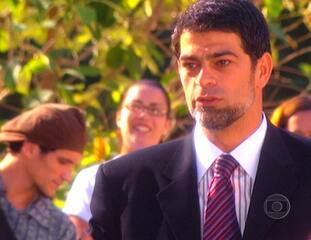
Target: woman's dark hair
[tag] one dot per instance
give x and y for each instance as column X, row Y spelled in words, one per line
column 288, row 108
column 152, row 83
column 237, row 16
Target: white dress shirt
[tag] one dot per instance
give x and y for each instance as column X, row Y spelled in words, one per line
column 247, row 155
column 80, row 194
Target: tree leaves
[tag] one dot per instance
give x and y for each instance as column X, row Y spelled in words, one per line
column 87, row 14
column 35, row 65
column 274, row 8
column 4, row 41
column 104, row 13
column 115, row 56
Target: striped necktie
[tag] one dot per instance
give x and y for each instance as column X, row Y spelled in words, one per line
column 220, row 216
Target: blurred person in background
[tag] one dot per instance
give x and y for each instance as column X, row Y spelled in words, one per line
column 294, row 115
column 143, row 120
column 43, row 146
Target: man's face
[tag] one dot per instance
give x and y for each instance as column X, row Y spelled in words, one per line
column 49, row 170
column 217, row 76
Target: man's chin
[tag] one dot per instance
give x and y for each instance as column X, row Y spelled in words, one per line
column 214, row 126
column 216, row 120
column 47, row 194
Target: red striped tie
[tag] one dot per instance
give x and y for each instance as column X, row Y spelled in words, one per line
column 220, row 216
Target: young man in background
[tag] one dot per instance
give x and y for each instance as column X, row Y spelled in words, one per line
column 44, row 145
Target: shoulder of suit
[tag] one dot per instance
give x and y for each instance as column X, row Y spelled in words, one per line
column 298, row 146
column 148, row 157
column 296, row 140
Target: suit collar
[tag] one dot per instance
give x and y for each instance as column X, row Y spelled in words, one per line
column 178, row 197
column 275, row 175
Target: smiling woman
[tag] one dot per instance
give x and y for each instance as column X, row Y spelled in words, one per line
column 143, row 120
column 143, row 117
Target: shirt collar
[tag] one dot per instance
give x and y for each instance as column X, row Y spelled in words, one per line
column 40, row 209
column 246, row 153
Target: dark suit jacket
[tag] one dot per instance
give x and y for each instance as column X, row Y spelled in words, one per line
column 153, row 193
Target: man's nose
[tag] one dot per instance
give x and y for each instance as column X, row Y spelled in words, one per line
column 67, row 175
column 205, row 77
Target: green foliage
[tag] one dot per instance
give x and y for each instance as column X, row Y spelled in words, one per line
column 85, row 53
column 273, row 7
column 289, row 23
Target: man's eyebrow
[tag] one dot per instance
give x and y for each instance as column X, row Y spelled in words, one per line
column 222, row 53
column 216, row 54
column 67, row 160
column 188, row 57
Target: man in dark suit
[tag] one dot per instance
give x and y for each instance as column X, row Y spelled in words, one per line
column 165, row 192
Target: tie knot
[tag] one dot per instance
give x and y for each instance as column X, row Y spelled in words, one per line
column 224, row 165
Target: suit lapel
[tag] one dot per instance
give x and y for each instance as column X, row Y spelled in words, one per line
column 275, row 175
column 178, row 198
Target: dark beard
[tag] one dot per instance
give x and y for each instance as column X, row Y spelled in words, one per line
column 215, row 119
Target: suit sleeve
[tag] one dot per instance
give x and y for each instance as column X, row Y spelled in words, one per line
column 104, row 221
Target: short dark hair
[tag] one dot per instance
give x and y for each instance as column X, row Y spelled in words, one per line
column 237, row 16
column 152, row 83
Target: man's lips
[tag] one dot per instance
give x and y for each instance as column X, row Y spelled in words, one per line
column 57, row 183
column 207, row 100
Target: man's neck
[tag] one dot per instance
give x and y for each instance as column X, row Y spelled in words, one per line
column 229, row 138
column 17, row 188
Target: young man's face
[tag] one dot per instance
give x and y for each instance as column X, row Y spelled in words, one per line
column 218, row 78
column 49, row 170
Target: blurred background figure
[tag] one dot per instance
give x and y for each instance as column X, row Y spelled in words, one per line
column 43, row 147
column 143, row 119
column 294, row 115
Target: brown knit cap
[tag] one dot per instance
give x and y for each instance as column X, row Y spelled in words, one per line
column 51, row 125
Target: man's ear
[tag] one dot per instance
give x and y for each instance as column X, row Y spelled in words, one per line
column 29, row 149
column 264, row 68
